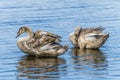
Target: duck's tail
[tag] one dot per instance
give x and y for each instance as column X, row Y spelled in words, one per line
column 65, row 47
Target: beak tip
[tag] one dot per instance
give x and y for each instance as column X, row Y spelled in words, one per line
column 17, row 35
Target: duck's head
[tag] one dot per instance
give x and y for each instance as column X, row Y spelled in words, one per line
column 74, row 36
column 22, row 30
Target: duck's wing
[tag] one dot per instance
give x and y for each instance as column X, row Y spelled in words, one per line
column 47, row 37
column 52, row 49
column 92, row 30
column 93, row 36
column 99, row 28
column 51, row 36
column 41, row 38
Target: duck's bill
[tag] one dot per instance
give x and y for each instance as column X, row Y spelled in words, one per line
column 17, row 35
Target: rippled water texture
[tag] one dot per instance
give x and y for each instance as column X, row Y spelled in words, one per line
column 60, row 17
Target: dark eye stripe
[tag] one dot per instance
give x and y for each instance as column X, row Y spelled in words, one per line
column 97, row 36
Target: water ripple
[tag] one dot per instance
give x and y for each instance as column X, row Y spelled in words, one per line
column 60, row 17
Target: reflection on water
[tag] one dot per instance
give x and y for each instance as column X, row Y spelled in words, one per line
column 60, row 17
column 87, row 56
column 39, row 68
column 91, row 62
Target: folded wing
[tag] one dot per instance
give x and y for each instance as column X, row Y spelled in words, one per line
column 42, row 38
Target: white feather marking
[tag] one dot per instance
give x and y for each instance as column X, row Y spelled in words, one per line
column 61, row 50
column 71, row 34
column 43, row 33
column 91, row 36
column 45, row 47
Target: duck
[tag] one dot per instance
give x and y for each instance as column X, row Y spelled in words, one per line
column 88, row 38
column 40, row 43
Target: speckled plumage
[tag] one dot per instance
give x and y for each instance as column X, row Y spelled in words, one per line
column 92, row 38
column 40, row 43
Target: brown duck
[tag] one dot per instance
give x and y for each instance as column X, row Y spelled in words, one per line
column 92, row 38
column 40, row 43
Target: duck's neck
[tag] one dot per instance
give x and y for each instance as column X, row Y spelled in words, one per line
column 28, row 37
column 22, row 41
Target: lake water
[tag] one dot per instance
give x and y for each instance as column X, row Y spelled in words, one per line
column 60, row 17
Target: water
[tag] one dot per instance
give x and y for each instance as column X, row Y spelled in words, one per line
column 60, row 17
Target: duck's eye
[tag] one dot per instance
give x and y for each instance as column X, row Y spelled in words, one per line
column 22, row 30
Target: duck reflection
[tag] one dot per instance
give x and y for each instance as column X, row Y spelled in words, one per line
column 89, row 62
column 39, row 68
column 88, row 57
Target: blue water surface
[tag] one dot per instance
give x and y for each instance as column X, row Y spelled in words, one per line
column 60, row 17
